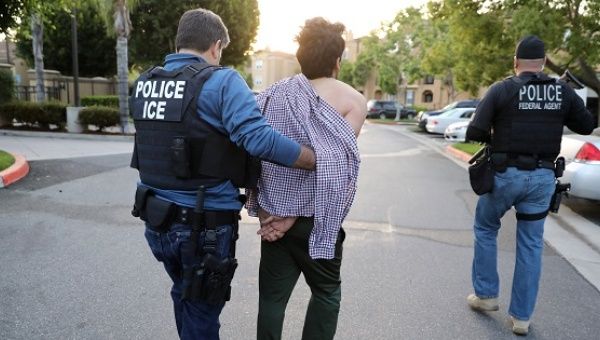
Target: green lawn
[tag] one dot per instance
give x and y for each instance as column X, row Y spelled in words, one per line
column 469, row 148
column 6, row 160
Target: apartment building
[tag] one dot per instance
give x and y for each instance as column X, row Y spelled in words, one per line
column 268, row 67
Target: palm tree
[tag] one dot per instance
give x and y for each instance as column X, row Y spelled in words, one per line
column 122, row 26
column 37, row 38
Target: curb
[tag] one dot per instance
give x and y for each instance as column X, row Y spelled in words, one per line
column 463, row 156
column 15, row 172
column 66, row 135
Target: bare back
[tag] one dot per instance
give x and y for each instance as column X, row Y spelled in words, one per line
column 344, row 99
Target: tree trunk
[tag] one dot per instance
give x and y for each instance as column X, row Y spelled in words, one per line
column 122, row 81
column 37, row 35
column 122, row 29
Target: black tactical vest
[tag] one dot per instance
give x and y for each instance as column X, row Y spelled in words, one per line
column 531, row 123
column 174, row 148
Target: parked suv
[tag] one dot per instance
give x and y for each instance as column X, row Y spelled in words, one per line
column 387, row 109
column 422, row 118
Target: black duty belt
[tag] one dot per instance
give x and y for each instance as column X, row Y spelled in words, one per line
column 212, row 218
column 540, row 163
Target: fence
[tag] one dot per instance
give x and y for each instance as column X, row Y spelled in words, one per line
column 28, row 93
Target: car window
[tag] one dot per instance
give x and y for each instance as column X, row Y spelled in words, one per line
column 389, row 106
column 467, row 114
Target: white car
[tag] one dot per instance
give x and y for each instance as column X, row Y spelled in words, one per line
column 583, row 169
column 456, row 132
column 438, row 124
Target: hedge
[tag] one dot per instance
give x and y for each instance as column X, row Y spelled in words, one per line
column 110, row 101
column 100, row 116
column 34, row 114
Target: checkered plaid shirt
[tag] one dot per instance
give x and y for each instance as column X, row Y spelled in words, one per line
column 294, row 109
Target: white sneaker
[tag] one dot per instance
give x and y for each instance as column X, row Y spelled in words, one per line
column 485, row 305
column 520, row 327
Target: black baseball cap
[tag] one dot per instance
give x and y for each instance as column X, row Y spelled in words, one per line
column 530, row 47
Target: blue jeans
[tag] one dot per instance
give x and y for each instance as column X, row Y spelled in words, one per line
column 530, row 193
column 195, row 320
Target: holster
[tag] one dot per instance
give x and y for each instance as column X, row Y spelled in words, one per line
column 206, row 277
column 210, row 280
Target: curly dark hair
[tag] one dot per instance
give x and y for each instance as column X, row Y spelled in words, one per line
column 321, row 44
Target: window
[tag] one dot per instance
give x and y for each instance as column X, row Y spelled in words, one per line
column 259, row 63
column 427, row 97
column 429, row 79
column 410, row 97
column 258, row 81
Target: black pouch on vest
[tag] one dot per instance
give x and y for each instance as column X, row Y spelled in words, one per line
column 159, row 214
column 180, row 158
column 481, row 175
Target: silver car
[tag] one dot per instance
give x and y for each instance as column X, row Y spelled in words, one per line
column 583, row 165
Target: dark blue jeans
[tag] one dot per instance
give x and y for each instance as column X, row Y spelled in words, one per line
column 530, row 193
column 195, row 320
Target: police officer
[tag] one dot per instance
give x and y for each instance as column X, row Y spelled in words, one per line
column 522, row 119
column 198, row 129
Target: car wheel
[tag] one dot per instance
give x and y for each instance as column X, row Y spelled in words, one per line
column 382, row 115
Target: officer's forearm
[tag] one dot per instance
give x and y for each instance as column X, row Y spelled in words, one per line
column 306, row 160
column 477, row 135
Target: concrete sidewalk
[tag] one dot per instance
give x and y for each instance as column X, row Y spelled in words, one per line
column 34, row 146
column 57, row 145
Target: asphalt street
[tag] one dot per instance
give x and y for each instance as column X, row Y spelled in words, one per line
column 74, row 263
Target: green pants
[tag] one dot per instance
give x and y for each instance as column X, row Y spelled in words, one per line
column 281, row 263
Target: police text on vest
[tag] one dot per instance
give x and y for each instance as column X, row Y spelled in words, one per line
column 540, row 97
column 159, row 90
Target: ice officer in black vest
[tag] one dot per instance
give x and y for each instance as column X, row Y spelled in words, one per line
column 199, row 138
column 522, row 119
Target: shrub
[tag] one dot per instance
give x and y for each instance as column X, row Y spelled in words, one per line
column 7, row 86
column 110, row 101
column 420, row 108
column 33, row 114
column 100, row 116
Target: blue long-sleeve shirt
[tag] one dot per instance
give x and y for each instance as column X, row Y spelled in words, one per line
column 229, row 106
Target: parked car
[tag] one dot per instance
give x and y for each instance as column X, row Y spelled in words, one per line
column 583, row 170
column 456, row 132
column 387, row 109
column 422, row 117
column 439, row 123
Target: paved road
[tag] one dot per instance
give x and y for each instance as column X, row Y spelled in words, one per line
column 75, row 264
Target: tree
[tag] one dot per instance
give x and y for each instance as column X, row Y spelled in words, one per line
column 484, row 34
column 118, row 23
column 156, row 22
column 36, row 10
column 346, row 71
column 9, row 12
column 93, row 44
